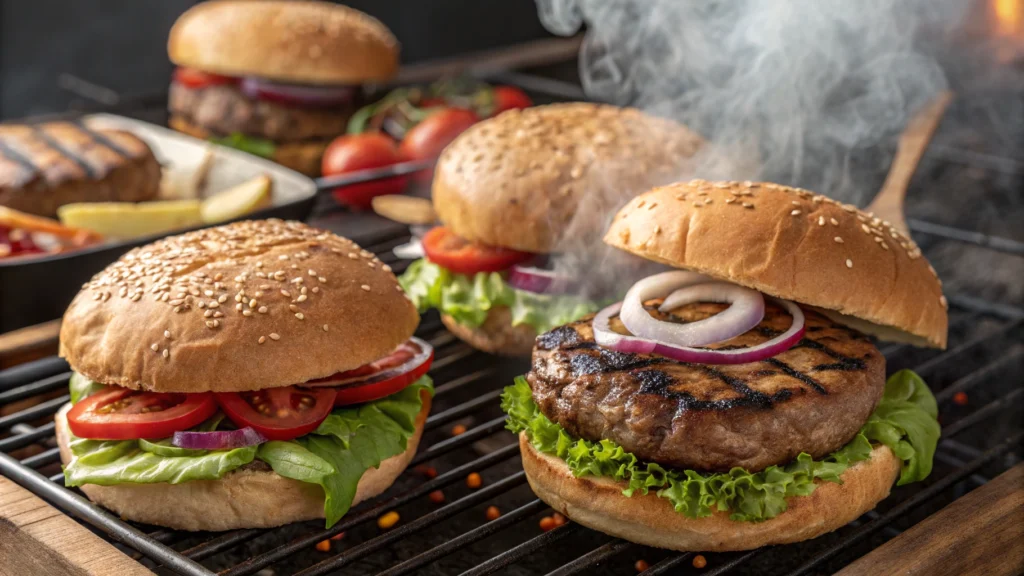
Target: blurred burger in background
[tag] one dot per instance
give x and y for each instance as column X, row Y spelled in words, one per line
column 276, row 79
column 523, row 199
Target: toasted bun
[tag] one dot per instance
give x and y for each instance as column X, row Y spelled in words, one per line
column 244, row 498
column 598, row 503
column 792, row 244
column 302, row 157
column 222, row 309
column 517, row 179
column 302, row 42
column 496, row 335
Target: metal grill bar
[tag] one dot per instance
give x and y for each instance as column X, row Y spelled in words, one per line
column 523, row 550
column 32, row 371
column 668, row 564
column 909, row 504
column 982, row 413
column 35, row 388
column 475, row 535
column 978, row 376
column 22, row 440
column 462, row 381
column 463, row 409
column 595, row 556
column 42, row 459
column 731, row 564
column 933, row 363
column 37, row 411
column 263, row 560
column 467, row 437
column 994, row 242
column 443, row 513
column 96, row 516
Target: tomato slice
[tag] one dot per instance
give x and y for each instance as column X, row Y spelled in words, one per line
column 198, row 79
column 279, row 413
column 123, row 414
column 384, row 377
column 444, row 248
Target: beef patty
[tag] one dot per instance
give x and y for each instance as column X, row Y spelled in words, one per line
column 225, row 110
column 811, row 398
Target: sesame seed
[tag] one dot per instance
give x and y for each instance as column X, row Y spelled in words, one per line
column 316, row 289
column 262, row 310
column 325, row 327
column 252, row 303
column 849, row 263
column 238, row 306
column 299, row 316
column 213, row 304
column 748, row 205
column 821, row 220
column 208, row 293
column 167, row 334
column 943, row 301
column 385, row 268
column 353, row 256
column 865, row 228
column 322, row 280
column 293, row 307
column 286, row 294
column 220, row 314
column 154, row 346
column 166, row 353
column 211, row 324
column 208, row 313
column 223, row 298
column 833, row 221
column 301, row 298
column 794, row 213
column 312, row 272
column 262, row 339
column 838, row 240
column 796, row 202
column 697, row 204
column 246, row 313
column 365, row 287
column 275, row 336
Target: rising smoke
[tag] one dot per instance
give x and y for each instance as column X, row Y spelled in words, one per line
column 808, row 93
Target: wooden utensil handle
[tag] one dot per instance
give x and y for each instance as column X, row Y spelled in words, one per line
column 888, row 204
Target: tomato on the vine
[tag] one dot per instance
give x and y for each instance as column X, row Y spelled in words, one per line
column 353, row 152
column 508, row 98
column 427, row 139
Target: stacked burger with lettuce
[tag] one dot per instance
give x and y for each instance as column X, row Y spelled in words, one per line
column 276, row 79
column 248, row 375
column 738, row 401
column 518, row 189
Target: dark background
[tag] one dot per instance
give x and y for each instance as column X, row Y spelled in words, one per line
column 121, row 44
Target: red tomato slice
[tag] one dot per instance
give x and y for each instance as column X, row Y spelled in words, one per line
column 122, row 414
column 509, row 97
column 198, row 79
column 279, row 413
column 384, row 377
column 444, row 248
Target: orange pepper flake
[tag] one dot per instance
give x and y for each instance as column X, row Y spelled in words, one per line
column 699, row 561
column 428, row 471
column 324, row 546
column 388, row 520
column 493, row 513
column 436, row 496
column 474, row 480
column 558, row 518
column 960, row 398
column 641, row 565
column 547, row 523
column 458, row 429
column 338, row 536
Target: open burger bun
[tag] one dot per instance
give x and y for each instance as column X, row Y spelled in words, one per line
column 496, row 335
column 297, row 42
column 250, row 497
column 516, row 180
column 223, row 309
column 792, row 244
column 302, row 156
column 598, row 503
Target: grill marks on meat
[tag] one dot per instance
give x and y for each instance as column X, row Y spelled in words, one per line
column 812, row 398
column 44, row 166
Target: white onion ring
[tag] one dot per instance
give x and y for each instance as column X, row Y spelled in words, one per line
column 605, row 336
column 746, row 310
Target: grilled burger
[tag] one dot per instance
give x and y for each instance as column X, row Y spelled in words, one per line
column 44, row 166
column 278, row 79
column 523, row 185
column 249, row 375
column 739, row 401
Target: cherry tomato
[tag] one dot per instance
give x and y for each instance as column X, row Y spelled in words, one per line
column 123, row 414
column 278, row 413
column 444, row 248
column 428, row 138
column 508, row 98
column 359, row 152
column 198, row 79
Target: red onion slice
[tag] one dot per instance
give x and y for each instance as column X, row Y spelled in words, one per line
column 406, row 358
column 605, row 336
column 746, row 310
column 295, row 93
column 219, row 440
column 538, row 281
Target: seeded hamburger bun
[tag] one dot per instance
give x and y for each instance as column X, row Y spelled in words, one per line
column 250, row 497
column 222, row 309
column 517, row 179
column 302, row 156
column 300, row 42
column 792, row 244
column 496, row 335
column 598, row 503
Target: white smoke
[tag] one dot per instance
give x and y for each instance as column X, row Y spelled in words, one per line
column 800, row 92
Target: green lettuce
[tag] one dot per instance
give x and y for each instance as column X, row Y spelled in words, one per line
column 81, row 386
column 468, row 299
column 905, row 421
column 335, row 455
column 251, row 144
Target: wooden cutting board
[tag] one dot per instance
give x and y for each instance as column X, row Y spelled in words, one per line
column 36, row 538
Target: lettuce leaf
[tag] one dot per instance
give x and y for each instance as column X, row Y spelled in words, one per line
column 468, row 299
column 81, row 387
column 905, row 421
column 251, row 144
column 335, row 455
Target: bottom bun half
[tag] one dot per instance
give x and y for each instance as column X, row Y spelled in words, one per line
column 249, row 497
column 496, row 335
column 598, row 503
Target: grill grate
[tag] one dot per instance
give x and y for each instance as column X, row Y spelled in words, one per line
column 986, row 345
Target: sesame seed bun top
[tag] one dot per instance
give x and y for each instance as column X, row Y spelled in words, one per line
column 246, row 306
column 793, row 244
column 518, row 180
column 301, row 42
